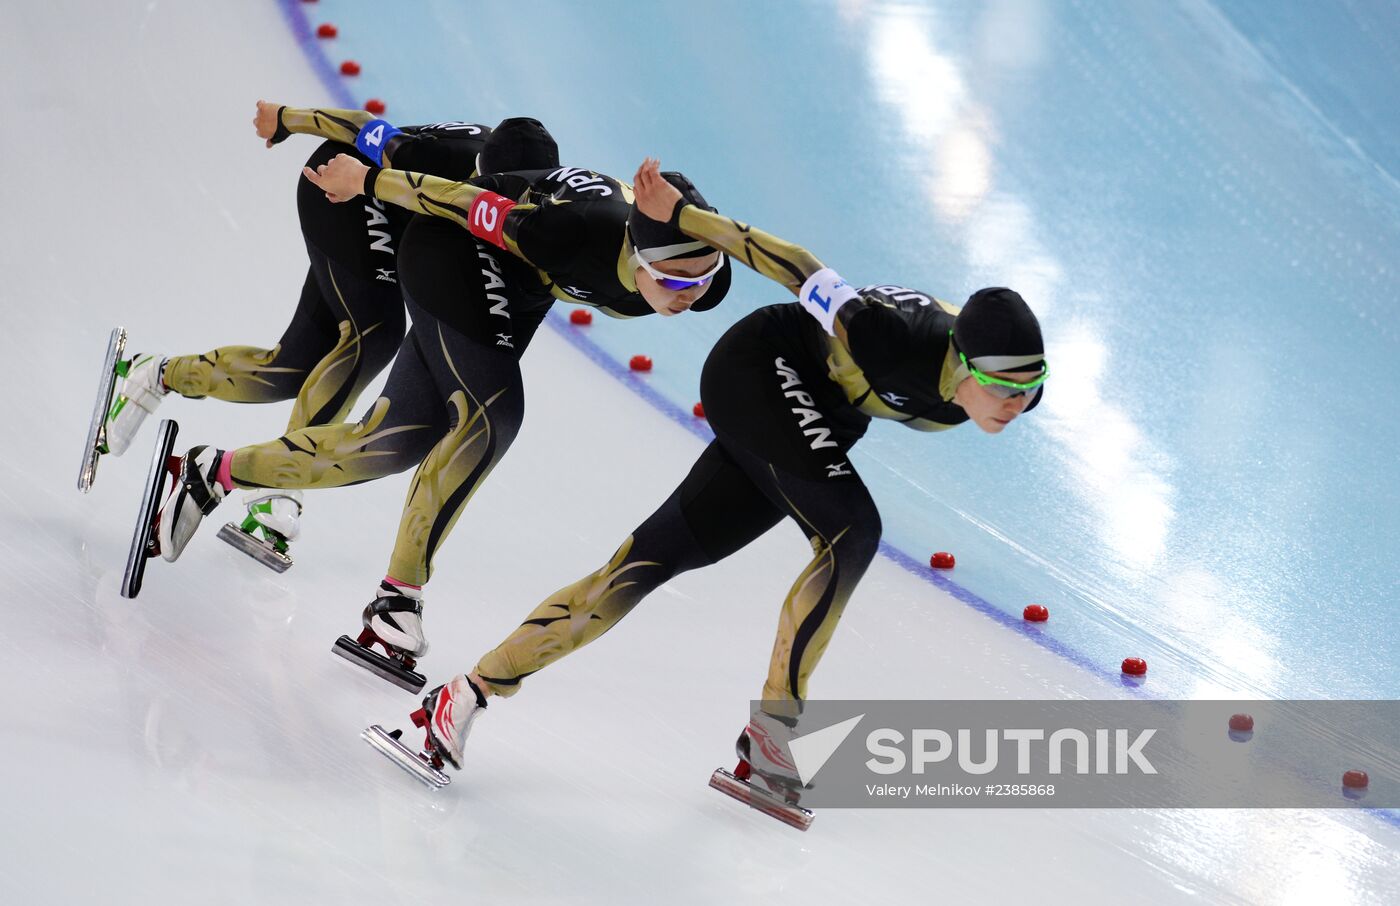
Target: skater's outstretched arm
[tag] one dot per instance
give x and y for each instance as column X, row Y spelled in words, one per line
column 777, row 259
column 274, row 123
column 429, row 148
column 546, row 236
column 835, row 304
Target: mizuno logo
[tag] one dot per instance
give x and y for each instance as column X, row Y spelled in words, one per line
column 577, row 292
column 894, row 399
column 386, row 274
column 837, row 469
column 504, row 340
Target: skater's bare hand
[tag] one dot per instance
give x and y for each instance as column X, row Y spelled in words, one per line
column 656, row 197
column 265, row 122
column 341, row 179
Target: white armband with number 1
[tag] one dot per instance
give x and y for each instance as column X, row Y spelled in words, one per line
column 823, row 295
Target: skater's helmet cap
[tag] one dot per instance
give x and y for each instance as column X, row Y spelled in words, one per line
column 518, row 143
column 654, row 241
column 997, row 332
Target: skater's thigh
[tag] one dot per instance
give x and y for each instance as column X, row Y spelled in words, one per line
column 472, row 380
column 713, row 512
column 409, row 415
column 829, row 507
column 370, row 303
column 312, row 332
column 789, row 438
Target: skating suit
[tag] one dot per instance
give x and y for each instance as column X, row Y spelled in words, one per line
column 454, row 399
column 787, row 402
column 350, row 317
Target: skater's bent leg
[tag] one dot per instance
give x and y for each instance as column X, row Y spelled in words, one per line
column 369, row 324
column 485, row 408
column 251, row 374
column 394, row 435
column 714, row 512
column 842, row 524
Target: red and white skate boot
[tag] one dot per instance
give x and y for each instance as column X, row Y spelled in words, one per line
column 447, row 715
column 446, row 718
column 766, row 777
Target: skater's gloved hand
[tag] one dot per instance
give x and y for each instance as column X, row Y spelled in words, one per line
column 268, row 123
column 655, row 197
column 341, row 179
column 823, row 295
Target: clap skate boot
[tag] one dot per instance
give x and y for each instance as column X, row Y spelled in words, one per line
column 446, row 718
column 393, row 620
column 119, row 409
column 766, row 777
column 273, row 521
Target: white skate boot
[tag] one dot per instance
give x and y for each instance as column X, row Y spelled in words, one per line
column 138, row 395
column 446, row 716
column 766, row 777
column 193, row 498
column 273, row 514
column 393, row 620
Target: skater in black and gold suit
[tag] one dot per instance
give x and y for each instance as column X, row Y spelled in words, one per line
column 789, row 390
column 349, row 319
column 478, row 275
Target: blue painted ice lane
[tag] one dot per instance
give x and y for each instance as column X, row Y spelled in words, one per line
column 1199, row 202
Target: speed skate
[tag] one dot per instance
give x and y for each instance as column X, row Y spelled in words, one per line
column 144, row 544
column 425, row 767
column 97, row 428
column 396, row 668
column 739, row 784
column 270, row 549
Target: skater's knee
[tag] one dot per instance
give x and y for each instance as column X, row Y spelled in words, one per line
column 858, row 543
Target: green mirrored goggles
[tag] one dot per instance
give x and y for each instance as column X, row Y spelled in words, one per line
column 1001, row 387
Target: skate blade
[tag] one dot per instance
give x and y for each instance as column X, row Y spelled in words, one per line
column 260, row 550
column 791, row 815
column 378, row 664
column 401, row 755
column 106, row 386
column 141, row 538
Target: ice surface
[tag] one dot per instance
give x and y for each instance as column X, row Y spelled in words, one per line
column 202, row 744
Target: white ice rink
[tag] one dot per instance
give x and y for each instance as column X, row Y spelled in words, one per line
column 200, row 744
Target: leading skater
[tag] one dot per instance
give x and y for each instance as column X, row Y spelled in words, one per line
column 454, row 399
column 349, row 320
column 789, row 390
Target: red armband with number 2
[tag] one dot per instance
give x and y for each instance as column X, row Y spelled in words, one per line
column 487, row 218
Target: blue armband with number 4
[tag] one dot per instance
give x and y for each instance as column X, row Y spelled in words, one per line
column 374, row 137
